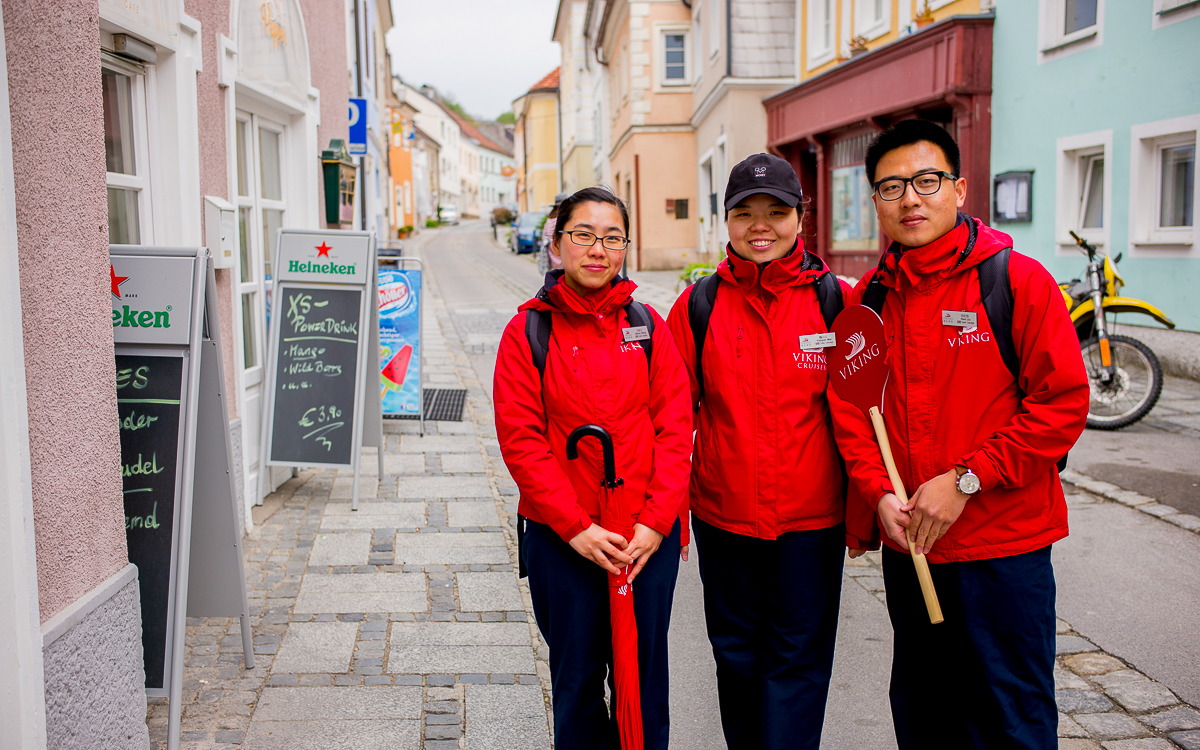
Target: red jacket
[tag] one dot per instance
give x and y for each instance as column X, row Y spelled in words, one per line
column 951, row 400
column 592, row 377
column 765, row 461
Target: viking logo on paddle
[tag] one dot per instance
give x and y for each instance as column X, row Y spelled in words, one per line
column 857, row 344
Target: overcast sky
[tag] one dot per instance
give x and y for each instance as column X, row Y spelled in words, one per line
column 484, row 52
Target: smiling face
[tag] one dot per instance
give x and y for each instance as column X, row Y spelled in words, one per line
column 588, row 269
column 763, row 228
column 916, row 220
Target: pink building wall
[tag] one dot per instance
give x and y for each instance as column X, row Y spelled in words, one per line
column 62, row 237
column 325, row 26
column 210, row 106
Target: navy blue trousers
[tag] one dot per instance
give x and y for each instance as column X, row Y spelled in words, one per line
column 570, row 603
column 771, row 607
column 984, row 677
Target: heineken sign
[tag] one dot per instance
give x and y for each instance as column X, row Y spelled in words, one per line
column 323, row 257
column 151, row 298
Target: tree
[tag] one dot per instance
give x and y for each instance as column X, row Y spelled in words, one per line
column 508, row 118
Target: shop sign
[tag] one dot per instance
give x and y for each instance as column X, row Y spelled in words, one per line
column 323, row 257
column 151, row 298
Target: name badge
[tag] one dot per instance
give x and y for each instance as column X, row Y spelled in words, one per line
column 635, row 333
column 960, row 319
column 815, row 341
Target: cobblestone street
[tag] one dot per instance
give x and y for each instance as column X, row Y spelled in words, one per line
column 404, row 625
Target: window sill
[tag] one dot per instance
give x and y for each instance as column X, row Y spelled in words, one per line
column 1169, row 11
column 1182, row 241
column 1067, row 41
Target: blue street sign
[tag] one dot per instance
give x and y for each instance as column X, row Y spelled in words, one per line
column 358, row 126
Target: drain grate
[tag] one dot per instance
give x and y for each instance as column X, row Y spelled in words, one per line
column 442, row 404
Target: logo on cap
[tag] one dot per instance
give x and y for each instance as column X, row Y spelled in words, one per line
column 760, row 171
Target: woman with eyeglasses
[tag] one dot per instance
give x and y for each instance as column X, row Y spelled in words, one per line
column 607, row 361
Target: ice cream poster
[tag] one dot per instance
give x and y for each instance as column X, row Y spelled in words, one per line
column 400, row 341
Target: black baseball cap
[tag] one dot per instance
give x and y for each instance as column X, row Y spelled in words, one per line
column 763, row 173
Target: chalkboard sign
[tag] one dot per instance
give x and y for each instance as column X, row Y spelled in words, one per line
column 316, row 375
column 149, row 394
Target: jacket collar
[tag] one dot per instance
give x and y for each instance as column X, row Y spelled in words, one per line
column 556, row 296
column 963, row 247
column 797, row 267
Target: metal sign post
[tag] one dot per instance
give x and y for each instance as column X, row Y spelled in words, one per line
column 314, row 410
column 173, row 419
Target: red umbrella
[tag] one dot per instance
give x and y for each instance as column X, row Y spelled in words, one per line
column 616, row 516
column 858, row 371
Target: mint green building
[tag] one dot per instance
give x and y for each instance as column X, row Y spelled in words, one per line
column 1100, row 101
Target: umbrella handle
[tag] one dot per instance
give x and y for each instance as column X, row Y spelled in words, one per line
column 606, row 446
column 919, row 561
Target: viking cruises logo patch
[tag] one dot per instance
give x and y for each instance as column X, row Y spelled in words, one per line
column 970, row 335
column 760, row 171
column 857, row 344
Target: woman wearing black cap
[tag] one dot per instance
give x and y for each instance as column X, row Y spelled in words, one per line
column 766, row 489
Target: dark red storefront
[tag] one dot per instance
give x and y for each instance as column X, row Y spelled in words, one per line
column 822, row 126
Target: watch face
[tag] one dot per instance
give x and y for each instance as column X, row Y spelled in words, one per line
column 968, row 484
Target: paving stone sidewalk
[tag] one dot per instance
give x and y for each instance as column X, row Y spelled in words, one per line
column 1104, row 703
column 401, row 625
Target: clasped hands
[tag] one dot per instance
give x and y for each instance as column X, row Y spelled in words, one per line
column 930, row 512
column 613, row 552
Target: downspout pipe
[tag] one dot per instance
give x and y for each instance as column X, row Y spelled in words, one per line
column 729, row 38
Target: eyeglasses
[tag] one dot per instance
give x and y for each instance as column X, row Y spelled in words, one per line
column 587, row 239
column 926, row 183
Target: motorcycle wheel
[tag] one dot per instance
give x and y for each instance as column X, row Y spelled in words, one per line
column 1134, row 389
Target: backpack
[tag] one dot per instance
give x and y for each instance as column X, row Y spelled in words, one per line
column 537, row 330
column 997, row 303
column 704, row 296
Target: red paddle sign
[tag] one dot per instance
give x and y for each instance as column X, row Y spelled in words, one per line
column 857, row 367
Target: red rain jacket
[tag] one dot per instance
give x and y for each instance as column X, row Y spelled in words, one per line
column 951, row 400
column 592, row 377
column 765, row 461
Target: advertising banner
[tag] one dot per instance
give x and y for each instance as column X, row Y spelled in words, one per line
column 400, row 341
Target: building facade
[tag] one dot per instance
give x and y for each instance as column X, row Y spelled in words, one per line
column 642, row 50
column 162, row 112
column 1121, row 176
column 536, row 144
column 575, row 89
column 863, row 67
column 436, row 121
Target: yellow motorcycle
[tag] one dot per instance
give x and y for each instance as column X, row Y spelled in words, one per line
column 1124, row 374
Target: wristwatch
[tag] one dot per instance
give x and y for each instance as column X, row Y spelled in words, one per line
column 967, row 482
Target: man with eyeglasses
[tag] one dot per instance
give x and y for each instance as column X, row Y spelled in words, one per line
column 979, row 446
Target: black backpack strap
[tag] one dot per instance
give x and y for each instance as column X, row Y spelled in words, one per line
column 875, row 294
column 996, row 293
column 537, row 330
column 829, row 295
column 639, row 315
column 700, row 307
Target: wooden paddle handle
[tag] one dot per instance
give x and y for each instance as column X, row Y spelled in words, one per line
column 922, row 566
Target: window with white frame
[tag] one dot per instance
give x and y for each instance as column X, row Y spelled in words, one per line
column 674, row 66
column 1163, row 201
column 126, row 147
column 822, row 32
column 1084, row 188
column 1167, row 12
column 1069, row 25
column 872, row 18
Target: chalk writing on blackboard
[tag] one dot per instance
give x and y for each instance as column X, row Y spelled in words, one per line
column 149, row 391
column 315, row 375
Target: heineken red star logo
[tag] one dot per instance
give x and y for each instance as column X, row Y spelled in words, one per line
column 323, row 250
column 116, row 280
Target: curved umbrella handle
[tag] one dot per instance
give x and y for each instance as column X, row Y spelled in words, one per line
column 606, row 446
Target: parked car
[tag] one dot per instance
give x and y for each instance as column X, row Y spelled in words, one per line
column 448, row 214
column 525, row 232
